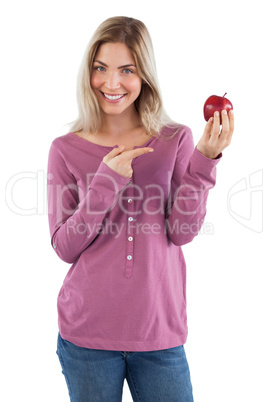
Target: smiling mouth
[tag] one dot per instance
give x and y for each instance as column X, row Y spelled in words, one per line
column 112, row 97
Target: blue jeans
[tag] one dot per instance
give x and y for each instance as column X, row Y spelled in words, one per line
column 98, row 375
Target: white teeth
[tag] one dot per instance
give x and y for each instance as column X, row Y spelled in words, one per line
column 113, row 97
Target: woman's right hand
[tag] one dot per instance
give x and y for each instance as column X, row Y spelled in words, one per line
column 120, row 161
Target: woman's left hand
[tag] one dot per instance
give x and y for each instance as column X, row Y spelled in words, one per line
column 214, row 140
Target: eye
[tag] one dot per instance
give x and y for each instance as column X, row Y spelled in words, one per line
column 99, row 68
column 127, row 71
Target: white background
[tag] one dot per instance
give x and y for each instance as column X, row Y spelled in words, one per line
column 201, row 48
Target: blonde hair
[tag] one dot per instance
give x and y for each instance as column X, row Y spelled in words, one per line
column 149, row 105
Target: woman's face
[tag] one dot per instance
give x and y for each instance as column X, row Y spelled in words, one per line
column 114, row 78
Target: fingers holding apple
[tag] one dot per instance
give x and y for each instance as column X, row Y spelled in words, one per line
column 227, row 127
column 214, row 140
column 216, row 103
column 229, row 134
column 216, row 125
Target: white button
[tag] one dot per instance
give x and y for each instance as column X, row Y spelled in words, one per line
column 129, row 257
column 130, row 238
column 129, row 200
column 54, row 245
column 129, row 183
column 130, row 218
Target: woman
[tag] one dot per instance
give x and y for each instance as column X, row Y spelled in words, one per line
column 126, row 189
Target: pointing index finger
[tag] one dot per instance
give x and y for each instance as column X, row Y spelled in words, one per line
column 137, row 152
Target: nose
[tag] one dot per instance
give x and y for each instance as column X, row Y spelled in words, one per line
column 113, row 81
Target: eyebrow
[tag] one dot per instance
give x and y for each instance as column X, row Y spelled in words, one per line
column 105, row 65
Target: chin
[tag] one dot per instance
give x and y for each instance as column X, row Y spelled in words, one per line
column 117, row 110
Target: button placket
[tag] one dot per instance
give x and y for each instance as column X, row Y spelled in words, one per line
column 130, row 232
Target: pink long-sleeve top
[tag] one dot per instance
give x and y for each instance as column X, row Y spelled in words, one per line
column 126, row 287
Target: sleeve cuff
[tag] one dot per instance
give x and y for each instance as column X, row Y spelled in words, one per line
column 204, row 167
column 204, row 160
column 106, row 180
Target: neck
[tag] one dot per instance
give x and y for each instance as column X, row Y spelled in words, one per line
column 118, row 125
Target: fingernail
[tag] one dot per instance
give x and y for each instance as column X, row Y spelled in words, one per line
column 231, row 112
column 151, row 150
column 216, row 114
column 224, row 111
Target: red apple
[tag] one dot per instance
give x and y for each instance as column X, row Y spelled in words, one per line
column 216, row 103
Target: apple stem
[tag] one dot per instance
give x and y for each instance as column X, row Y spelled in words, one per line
column 224, row 94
